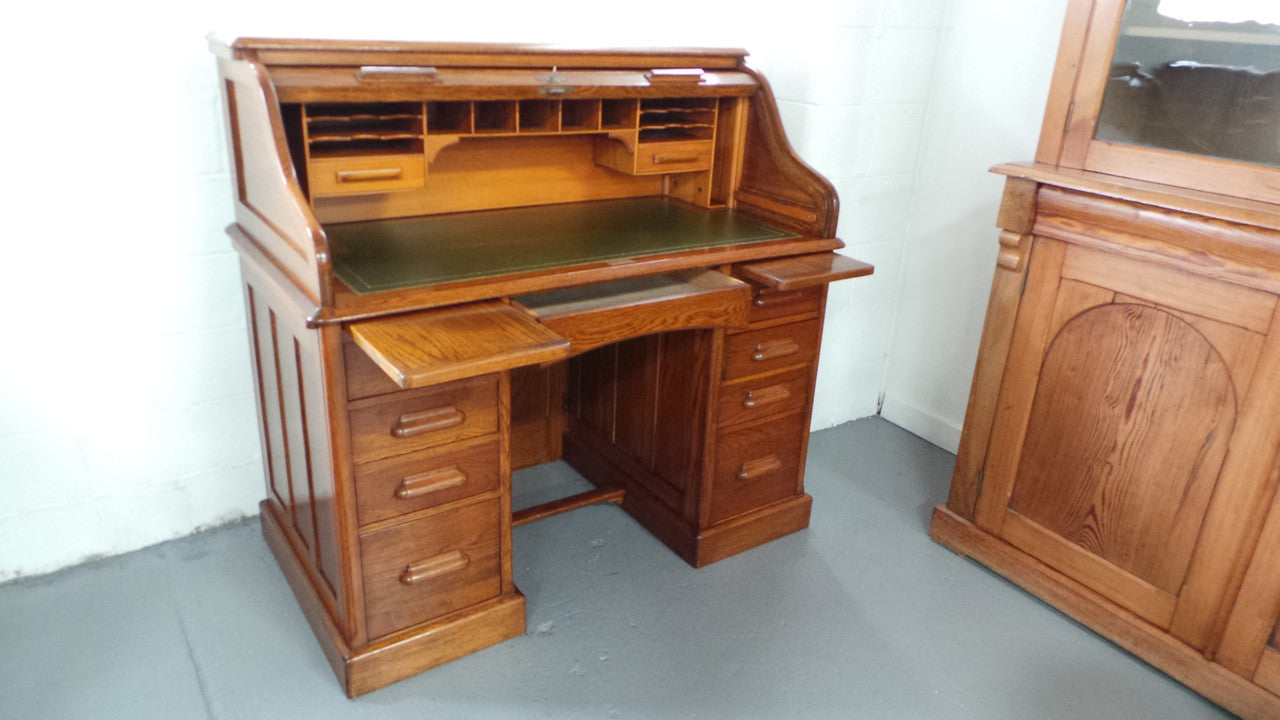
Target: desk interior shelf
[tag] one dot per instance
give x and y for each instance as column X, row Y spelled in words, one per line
column 335, row 130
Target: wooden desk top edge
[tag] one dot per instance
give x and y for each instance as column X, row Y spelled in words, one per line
column 1222, row 207
column 289, row 51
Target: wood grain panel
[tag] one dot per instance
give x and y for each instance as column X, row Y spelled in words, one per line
column 1162, row 285
column 1240, row 348
column 1268, row 673
column 1074, row 297
column 993, row 353
column 688, row 361
column 534, row 408
column 1254, row 624
column 1244, row 494
column 297, row 450
column 636, row 419
column 1144, row 599
column 425, row 568
column 1031, row 334
column 1127, row 435
column 264, row 381
column 594, row 385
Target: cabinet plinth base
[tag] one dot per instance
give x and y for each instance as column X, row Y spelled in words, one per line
column 402, row 654
column 1146, row 641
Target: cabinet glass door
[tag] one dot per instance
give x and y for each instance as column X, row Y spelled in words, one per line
column 1196, row 77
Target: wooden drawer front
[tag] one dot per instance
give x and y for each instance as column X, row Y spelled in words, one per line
column 756, row 465
column 767, row 303
column 426, row 568
column 681, row 156
column 364, row 377
column 419, row 419
column 362, row 175
column 427, row 478
column 762, row 351
column 763, row 396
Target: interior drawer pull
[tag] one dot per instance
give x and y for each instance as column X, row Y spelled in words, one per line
column 774, row 349
column 349, row 176
column 765, row 396
column 434, row 567
column 759, row 467
column 431, row 481
column 672, row 159
column 411, row 424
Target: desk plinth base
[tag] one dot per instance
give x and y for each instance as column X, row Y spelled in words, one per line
column 1113, row 622
column 603, row 465
column 403, row 654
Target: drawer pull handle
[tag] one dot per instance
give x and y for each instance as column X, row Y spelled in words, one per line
column 764, row 298
column 429, row 482
column 434, row 567
column 672, row 159
column 759, row 467
column 411, row 424
column 774, row 349
column 765, row 396
column 349, row 176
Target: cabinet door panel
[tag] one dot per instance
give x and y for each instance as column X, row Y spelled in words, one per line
column 1117, row 414
column 1127, row 434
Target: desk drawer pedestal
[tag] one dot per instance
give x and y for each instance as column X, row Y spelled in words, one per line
column 710, row 445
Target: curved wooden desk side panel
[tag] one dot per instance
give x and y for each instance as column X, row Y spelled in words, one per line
column 271, row 210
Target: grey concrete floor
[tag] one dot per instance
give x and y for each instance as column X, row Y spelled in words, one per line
column 860, row 616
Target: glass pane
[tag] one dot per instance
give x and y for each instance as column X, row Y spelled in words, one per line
column 1208, row 86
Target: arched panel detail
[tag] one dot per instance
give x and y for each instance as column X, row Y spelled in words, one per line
column 1128, row 431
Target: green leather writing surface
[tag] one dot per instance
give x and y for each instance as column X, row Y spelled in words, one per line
column 411, row 252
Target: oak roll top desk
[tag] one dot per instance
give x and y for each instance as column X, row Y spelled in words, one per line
column 460, row 260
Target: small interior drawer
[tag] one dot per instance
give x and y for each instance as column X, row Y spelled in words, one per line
column 657, row 157
column 418, row 419
column 756, row 465
column 775, row 348
column 764, row 395
column 363, row 174
column 427, row 478
column 426, row 568
column 674, row 156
